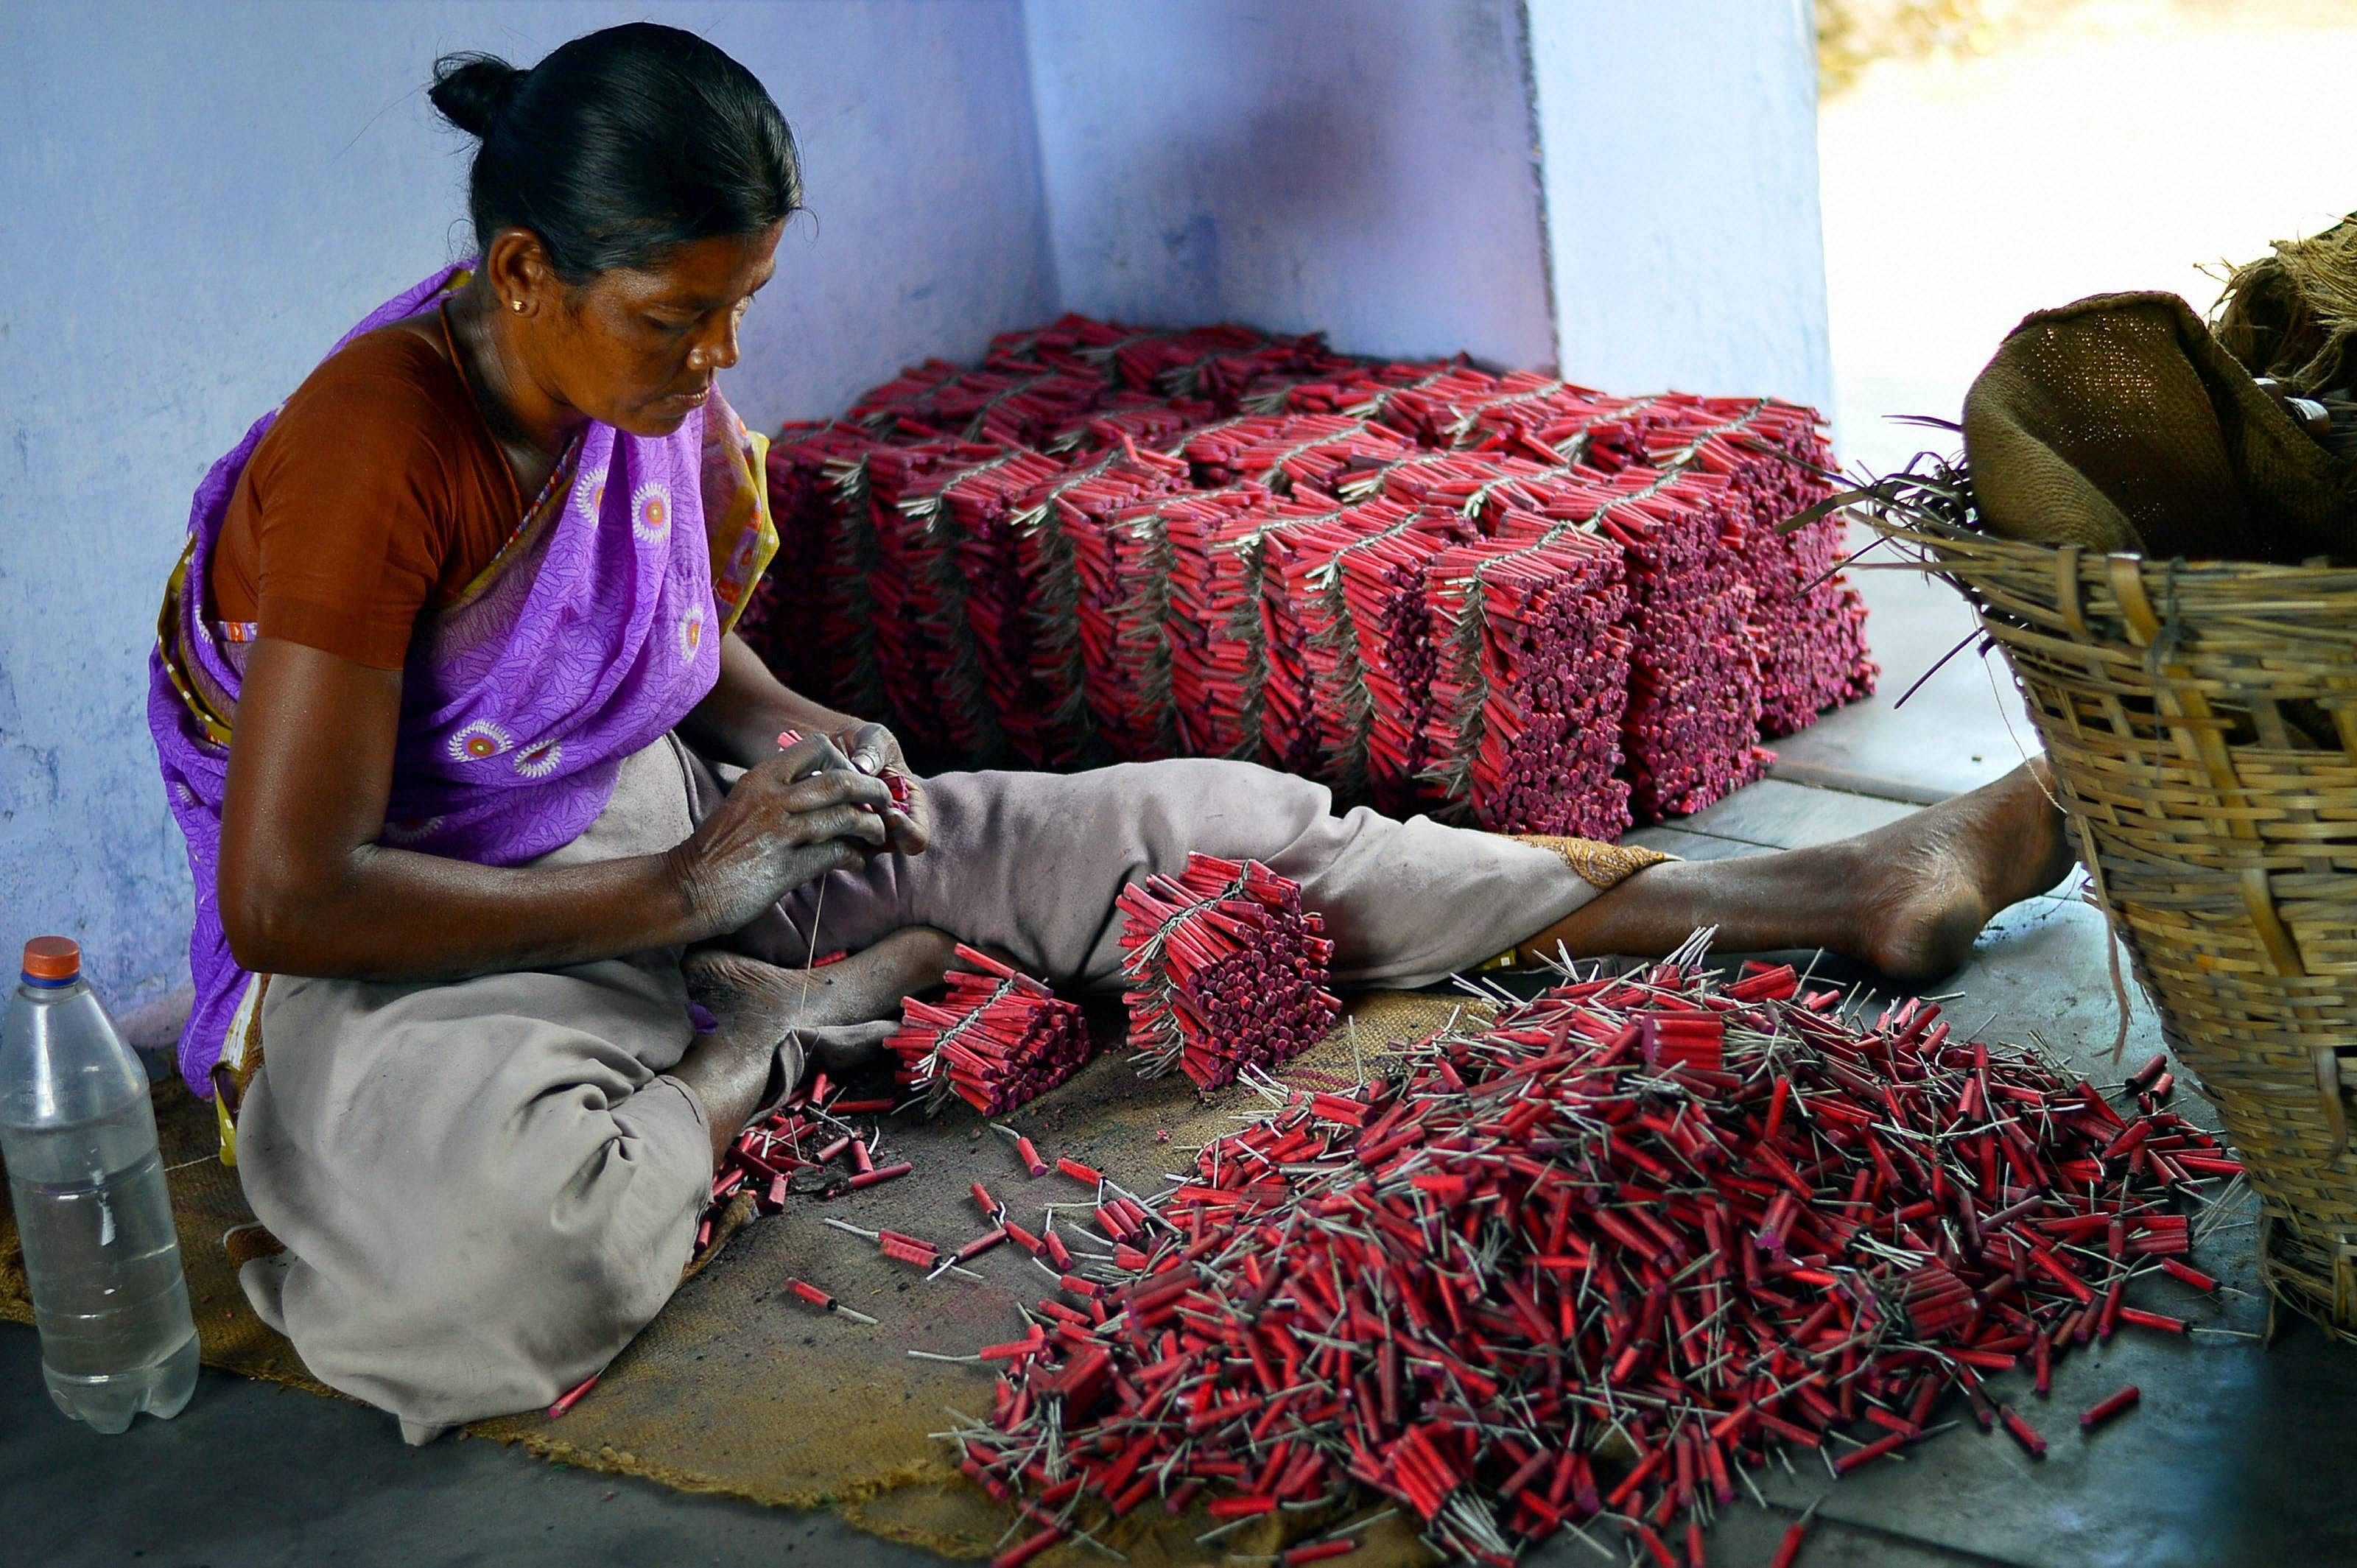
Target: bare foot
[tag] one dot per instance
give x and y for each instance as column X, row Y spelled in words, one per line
column 762, row 1003
column 1926, row 886
column 1908, row 898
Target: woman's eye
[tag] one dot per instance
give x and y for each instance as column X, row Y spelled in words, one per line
column 673, row 327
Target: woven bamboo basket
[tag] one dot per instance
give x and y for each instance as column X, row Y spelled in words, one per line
column 2201, row 722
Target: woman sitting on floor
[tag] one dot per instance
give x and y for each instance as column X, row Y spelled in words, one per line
column 450, row 712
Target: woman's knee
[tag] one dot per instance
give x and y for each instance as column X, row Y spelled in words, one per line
column 1236, row 810
column 580, row 1241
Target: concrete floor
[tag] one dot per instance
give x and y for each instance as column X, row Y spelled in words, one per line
column 2235, row 1457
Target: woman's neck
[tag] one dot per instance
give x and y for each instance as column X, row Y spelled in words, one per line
column 491, row 356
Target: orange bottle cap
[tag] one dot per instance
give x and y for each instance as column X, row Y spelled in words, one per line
column 52, row 958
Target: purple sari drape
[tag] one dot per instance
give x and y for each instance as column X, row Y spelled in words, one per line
column 597, row 631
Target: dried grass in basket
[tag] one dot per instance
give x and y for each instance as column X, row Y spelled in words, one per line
column 2201, row 722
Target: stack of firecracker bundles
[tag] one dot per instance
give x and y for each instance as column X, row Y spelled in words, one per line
column 1508, row 600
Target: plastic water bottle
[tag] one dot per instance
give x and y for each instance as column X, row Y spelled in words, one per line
column 79, row 1134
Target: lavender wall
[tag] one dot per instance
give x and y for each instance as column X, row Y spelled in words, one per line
column 201, row 197
column 1361, row 166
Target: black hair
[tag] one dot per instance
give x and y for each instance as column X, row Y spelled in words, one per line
column 620, row 146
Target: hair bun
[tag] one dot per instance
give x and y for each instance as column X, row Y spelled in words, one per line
column 469, row 89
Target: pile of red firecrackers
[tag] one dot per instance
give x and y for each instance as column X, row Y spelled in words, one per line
column 809, row 1147
column 1507, row 598
column 1583, row 1268
column 1226, row 971
column 996, row 1040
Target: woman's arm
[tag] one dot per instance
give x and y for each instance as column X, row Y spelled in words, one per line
column 739, row 720
column 305, row 889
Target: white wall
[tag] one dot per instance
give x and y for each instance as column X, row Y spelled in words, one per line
column 1359, row 166
column 1680, row 177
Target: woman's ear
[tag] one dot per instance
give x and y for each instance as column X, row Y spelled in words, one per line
column 518, row 270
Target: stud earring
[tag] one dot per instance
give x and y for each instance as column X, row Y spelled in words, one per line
column 517, row 304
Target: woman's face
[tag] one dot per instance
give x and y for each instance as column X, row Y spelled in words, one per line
column 638, row 348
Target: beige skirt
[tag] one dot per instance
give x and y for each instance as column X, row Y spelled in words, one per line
column 485, row 1188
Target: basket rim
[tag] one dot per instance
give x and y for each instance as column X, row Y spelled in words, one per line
column 1936, row 535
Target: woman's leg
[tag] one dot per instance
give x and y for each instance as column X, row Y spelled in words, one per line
column 1031, row 864
column 1908, row 899
column 484, row 1189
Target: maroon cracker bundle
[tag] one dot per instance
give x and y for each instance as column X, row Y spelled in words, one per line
column 1119, row 543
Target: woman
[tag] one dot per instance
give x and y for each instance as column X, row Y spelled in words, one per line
column 480, row 791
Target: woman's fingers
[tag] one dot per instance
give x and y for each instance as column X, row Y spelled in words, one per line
column 871, row 746
column 807, row 758
column 911, row 822
column 838, row 787
column 839, row 823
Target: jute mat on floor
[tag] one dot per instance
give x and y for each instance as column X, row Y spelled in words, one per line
column 738, row 1387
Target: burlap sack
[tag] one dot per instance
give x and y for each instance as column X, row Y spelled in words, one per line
column 2120, row 423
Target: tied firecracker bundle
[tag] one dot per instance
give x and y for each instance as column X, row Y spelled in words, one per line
column 1285, row 452
column 1691, row 730
column 1073, row 342
column 1585, row 1268
column 1808, row 623
column 889, row 409
column 1533, row 679
column 810, row 618
column 1226, row 971
column 1134, row 419
column 1234, row 368
column 998, row 1039
column 1211, row 613
column 1010, row 405
column 1330, row 591
column 1027, row 629
column 928, row 502
column 1114, row 621
column 1366, row 390
column 1770, row 459
column 1122, row 568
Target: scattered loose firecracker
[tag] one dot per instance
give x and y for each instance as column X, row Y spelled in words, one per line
column 807, row 1147
column 997, row 1039
column 1226, row 971
column 1583, row 1268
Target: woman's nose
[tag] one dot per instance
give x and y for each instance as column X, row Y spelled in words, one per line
column 717, row 354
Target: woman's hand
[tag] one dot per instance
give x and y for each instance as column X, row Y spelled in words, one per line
column 873, row 749
column 793, row 818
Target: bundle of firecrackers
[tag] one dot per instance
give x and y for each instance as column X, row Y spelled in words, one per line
column 1062, row 558
column 996, row 1039
column 1585, row 1268
column 1332, row 592
column 1531, row 682
column 1226, row 971
column 1028, row 625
